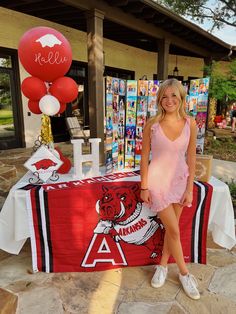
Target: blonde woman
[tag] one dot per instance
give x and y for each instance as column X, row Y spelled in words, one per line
column 167, row 182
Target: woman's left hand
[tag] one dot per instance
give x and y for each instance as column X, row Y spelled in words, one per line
column 187, row 199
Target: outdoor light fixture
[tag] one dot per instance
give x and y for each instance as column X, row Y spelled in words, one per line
column 176, row 70
column 144, row 77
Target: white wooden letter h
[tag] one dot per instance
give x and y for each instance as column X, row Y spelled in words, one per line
column 79, row 158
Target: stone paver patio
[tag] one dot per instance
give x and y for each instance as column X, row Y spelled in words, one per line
column 123, row 291
column 120, row 291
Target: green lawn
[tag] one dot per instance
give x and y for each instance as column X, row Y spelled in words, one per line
column 6, row 117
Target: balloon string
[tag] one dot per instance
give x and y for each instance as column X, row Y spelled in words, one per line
column 46, row 131
column 47, row 87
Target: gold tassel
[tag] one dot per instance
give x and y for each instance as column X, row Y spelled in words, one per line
column 46, row 131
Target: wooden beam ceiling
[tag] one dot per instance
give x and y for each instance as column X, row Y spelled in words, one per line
column 138, row 23
column 120, row 17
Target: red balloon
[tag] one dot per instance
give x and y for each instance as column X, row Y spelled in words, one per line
column 33, row 88
column 66, row 166
column 34, row 106
column 62, row 107
column 59, row 153
column 65, row 89
column 45, row 53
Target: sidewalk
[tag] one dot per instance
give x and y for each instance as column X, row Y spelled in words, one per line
column 224, row 170
column 121, row 291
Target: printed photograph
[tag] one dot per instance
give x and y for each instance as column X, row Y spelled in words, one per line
column 122, row 87
column 142, row 88
column 194, row 86
column 109, row 84
column 115, row 85
column 129, row 162
column 142, row 104
column 153, row 87
column 131, row 88
column 202, row 102
column 130, row 132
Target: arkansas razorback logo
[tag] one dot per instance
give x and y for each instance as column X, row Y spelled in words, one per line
column 125, row 217
column 44, row 164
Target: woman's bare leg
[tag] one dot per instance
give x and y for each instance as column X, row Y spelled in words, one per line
column 233, row 124
column 166, row 252
column 170, row 222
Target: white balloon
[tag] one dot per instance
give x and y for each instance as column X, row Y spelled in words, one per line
column 49, row 105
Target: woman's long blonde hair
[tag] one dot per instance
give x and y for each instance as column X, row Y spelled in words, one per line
column 181, row 95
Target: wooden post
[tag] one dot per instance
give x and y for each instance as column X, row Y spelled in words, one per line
column 162, row 59
column 95, row 77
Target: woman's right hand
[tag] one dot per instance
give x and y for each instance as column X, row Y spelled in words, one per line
column 146, row 197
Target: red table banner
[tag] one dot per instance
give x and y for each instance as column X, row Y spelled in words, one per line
column 105, row 225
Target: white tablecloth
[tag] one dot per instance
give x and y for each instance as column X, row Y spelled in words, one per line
column 14, row 229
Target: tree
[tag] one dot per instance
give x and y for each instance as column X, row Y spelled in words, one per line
column 221, row 12
column 222, row 85
column 5, row 92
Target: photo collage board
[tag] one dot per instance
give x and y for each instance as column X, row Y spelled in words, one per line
column 197, row 104
column 130, row 123
column 115, row 101
column 128, row 104
column 146, row 108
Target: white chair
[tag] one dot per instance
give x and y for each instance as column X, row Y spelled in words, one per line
column 75, row 129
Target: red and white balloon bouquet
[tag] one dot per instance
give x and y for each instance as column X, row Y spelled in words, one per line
column 46, row 55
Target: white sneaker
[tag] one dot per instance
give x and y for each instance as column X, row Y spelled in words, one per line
column 190, row 284
column 159, row 277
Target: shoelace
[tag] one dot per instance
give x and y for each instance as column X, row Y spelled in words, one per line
column 191, row 282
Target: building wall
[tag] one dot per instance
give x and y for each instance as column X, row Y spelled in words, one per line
column 14, row 24
column 145, row 63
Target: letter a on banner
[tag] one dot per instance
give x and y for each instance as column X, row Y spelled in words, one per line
column 103, row 249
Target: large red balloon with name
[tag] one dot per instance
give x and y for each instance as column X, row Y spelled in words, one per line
column 45, row 53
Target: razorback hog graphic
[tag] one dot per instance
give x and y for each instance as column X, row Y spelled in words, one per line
column 125, row 217
column 48, row 40
column 44, row 164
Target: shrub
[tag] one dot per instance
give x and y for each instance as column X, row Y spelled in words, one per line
column 221, row 148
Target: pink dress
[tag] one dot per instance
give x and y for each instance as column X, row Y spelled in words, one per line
column 168, row 170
